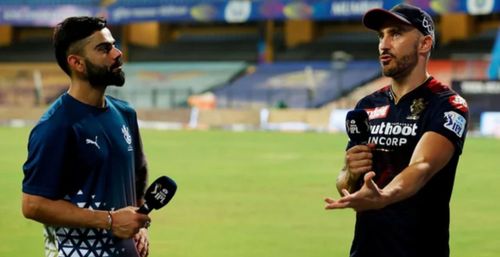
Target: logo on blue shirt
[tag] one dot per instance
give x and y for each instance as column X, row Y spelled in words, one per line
column 127, row 137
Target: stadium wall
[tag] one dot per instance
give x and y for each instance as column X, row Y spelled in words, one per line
column 228, row 119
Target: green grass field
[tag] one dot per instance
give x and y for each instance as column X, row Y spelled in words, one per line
column 259, row 194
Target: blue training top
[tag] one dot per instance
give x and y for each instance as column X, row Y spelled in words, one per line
column 93, row 158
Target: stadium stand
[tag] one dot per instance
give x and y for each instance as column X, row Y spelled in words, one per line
column 195, row 58
column 243, row 46
column 168, row 85
column 37, row 50
column 201, row 46
column 30, row 84
column 476, row 46
column 361, row 45
column 296, row 84
column 52, row 2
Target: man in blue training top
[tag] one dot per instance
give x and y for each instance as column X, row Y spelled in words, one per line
column 86, row 172
column 400, row 183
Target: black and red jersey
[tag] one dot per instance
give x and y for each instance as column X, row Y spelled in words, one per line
column 417, row 226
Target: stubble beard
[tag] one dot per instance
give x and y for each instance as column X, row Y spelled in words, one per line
column 403, row 66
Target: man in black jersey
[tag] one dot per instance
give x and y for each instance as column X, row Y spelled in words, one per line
column 400, row 183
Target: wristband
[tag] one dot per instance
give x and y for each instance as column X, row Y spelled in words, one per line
column 110, row 221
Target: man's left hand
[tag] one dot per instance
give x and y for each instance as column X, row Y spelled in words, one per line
column 369, row 197
column 142, row 242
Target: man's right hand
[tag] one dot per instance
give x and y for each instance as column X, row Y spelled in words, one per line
column 358, row 160
column 127, row 222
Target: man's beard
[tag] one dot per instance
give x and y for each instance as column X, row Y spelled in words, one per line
column 102, row 76
column 404, row 65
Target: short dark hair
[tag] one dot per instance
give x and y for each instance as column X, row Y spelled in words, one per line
column 71, row 30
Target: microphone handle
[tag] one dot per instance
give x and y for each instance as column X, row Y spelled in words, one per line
column 144, row 209
column 360, row 142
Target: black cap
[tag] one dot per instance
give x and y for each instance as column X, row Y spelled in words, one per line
column 408, row 14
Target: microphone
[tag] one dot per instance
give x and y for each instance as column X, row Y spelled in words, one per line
column 357, row 127
column 158, row 194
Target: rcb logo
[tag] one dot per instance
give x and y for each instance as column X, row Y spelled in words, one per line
column 416, row 108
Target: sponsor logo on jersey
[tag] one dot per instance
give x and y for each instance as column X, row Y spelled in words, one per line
column 416, row 108
column 392, row 134
column 92, row 142
column 455, row 122
column 459, row 103
column 127, row 137
column 377, row 112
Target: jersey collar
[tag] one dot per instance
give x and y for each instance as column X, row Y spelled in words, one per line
column 425, row 84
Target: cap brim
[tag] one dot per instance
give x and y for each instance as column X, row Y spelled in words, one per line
column 375, row 18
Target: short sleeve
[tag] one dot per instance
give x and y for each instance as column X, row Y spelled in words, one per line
column 451, row 119
column 141, row 168
column 47, row 157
